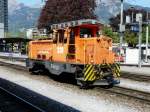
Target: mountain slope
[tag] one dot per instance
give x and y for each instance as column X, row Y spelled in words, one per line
column 109, row 8
column 22, row 17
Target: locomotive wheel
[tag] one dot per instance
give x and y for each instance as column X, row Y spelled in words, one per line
column 84, row 85
column 108, row 86
column 110, row 82
column 36, row 70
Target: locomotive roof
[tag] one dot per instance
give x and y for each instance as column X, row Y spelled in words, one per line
column 75, row 23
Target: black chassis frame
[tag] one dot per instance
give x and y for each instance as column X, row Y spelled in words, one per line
column 57, row 68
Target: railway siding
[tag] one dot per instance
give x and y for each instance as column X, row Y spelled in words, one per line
column 144, row 96
column 129, row 80
column 130, row 72
column 11, row 103
column 134, row 70
column 31, row 101
column 87, row 101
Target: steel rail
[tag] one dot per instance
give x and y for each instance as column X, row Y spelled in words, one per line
column 118, row 90
column 19, row 98
column 128, row 75
column 14, row 66
column 137, row 94
column 136, row 77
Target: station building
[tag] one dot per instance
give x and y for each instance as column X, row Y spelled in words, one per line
column 4, row 14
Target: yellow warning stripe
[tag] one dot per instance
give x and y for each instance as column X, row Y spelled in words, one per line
column 92, row 77
column 117, row 73
column 117, row 70
column 89, row 74
column 118, row 67
column 109, row 66
column 89, row 68
column 86, row 67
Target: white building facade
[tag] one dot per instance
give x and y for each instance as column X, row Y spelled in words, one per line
column 2, row 30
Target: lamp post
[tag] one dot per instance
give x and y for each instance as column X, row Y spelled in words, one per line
column 140, row 40
column 140, row 22
column 147, row 36
column 132, row 9
column 121, row 27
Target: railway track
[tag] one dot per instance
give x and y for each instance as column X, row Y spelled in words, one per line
column 136, row 77
column 12, row 103
column 143, row 96
column 117, row 90
column 15, row 66
column 13, row 58
column 127, row 75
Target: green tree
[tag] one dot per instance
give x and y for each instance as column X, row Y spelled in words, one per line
column 16, row 34
column 131, row 38
column 107, row 31
column 144, row 34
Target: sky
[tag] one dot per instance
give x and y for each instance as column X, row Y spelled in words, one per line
column 30, row 2
column 145, row 3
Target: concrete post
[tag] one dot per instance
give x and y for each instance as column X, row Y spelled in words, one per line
column 121, row 27
column 147, row 36
column 140, row 40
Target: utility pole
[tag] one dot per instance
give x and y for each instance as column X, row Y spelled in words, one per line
column 140, row 40
column 147, row 36
column 132, row 14
column 121, row 27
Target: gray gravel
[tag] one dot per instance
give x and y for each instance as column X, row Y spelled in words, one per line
column 94, row 100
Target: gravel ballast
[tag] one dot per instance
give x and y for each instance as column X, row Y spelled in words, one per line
column 94, row 100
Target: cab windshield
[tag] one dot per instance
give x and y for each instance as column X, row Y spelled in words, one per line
column 86, row 33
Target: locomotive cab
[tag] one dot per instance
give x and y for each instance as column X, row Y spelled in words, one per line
column 77, row 47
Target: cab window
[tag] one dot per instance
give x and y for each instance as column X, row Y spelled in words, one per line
column 59, row 37
column 86, row 33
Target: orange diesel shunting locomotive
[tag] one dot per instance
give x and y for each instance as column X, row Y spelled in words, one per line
column 76, row 47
